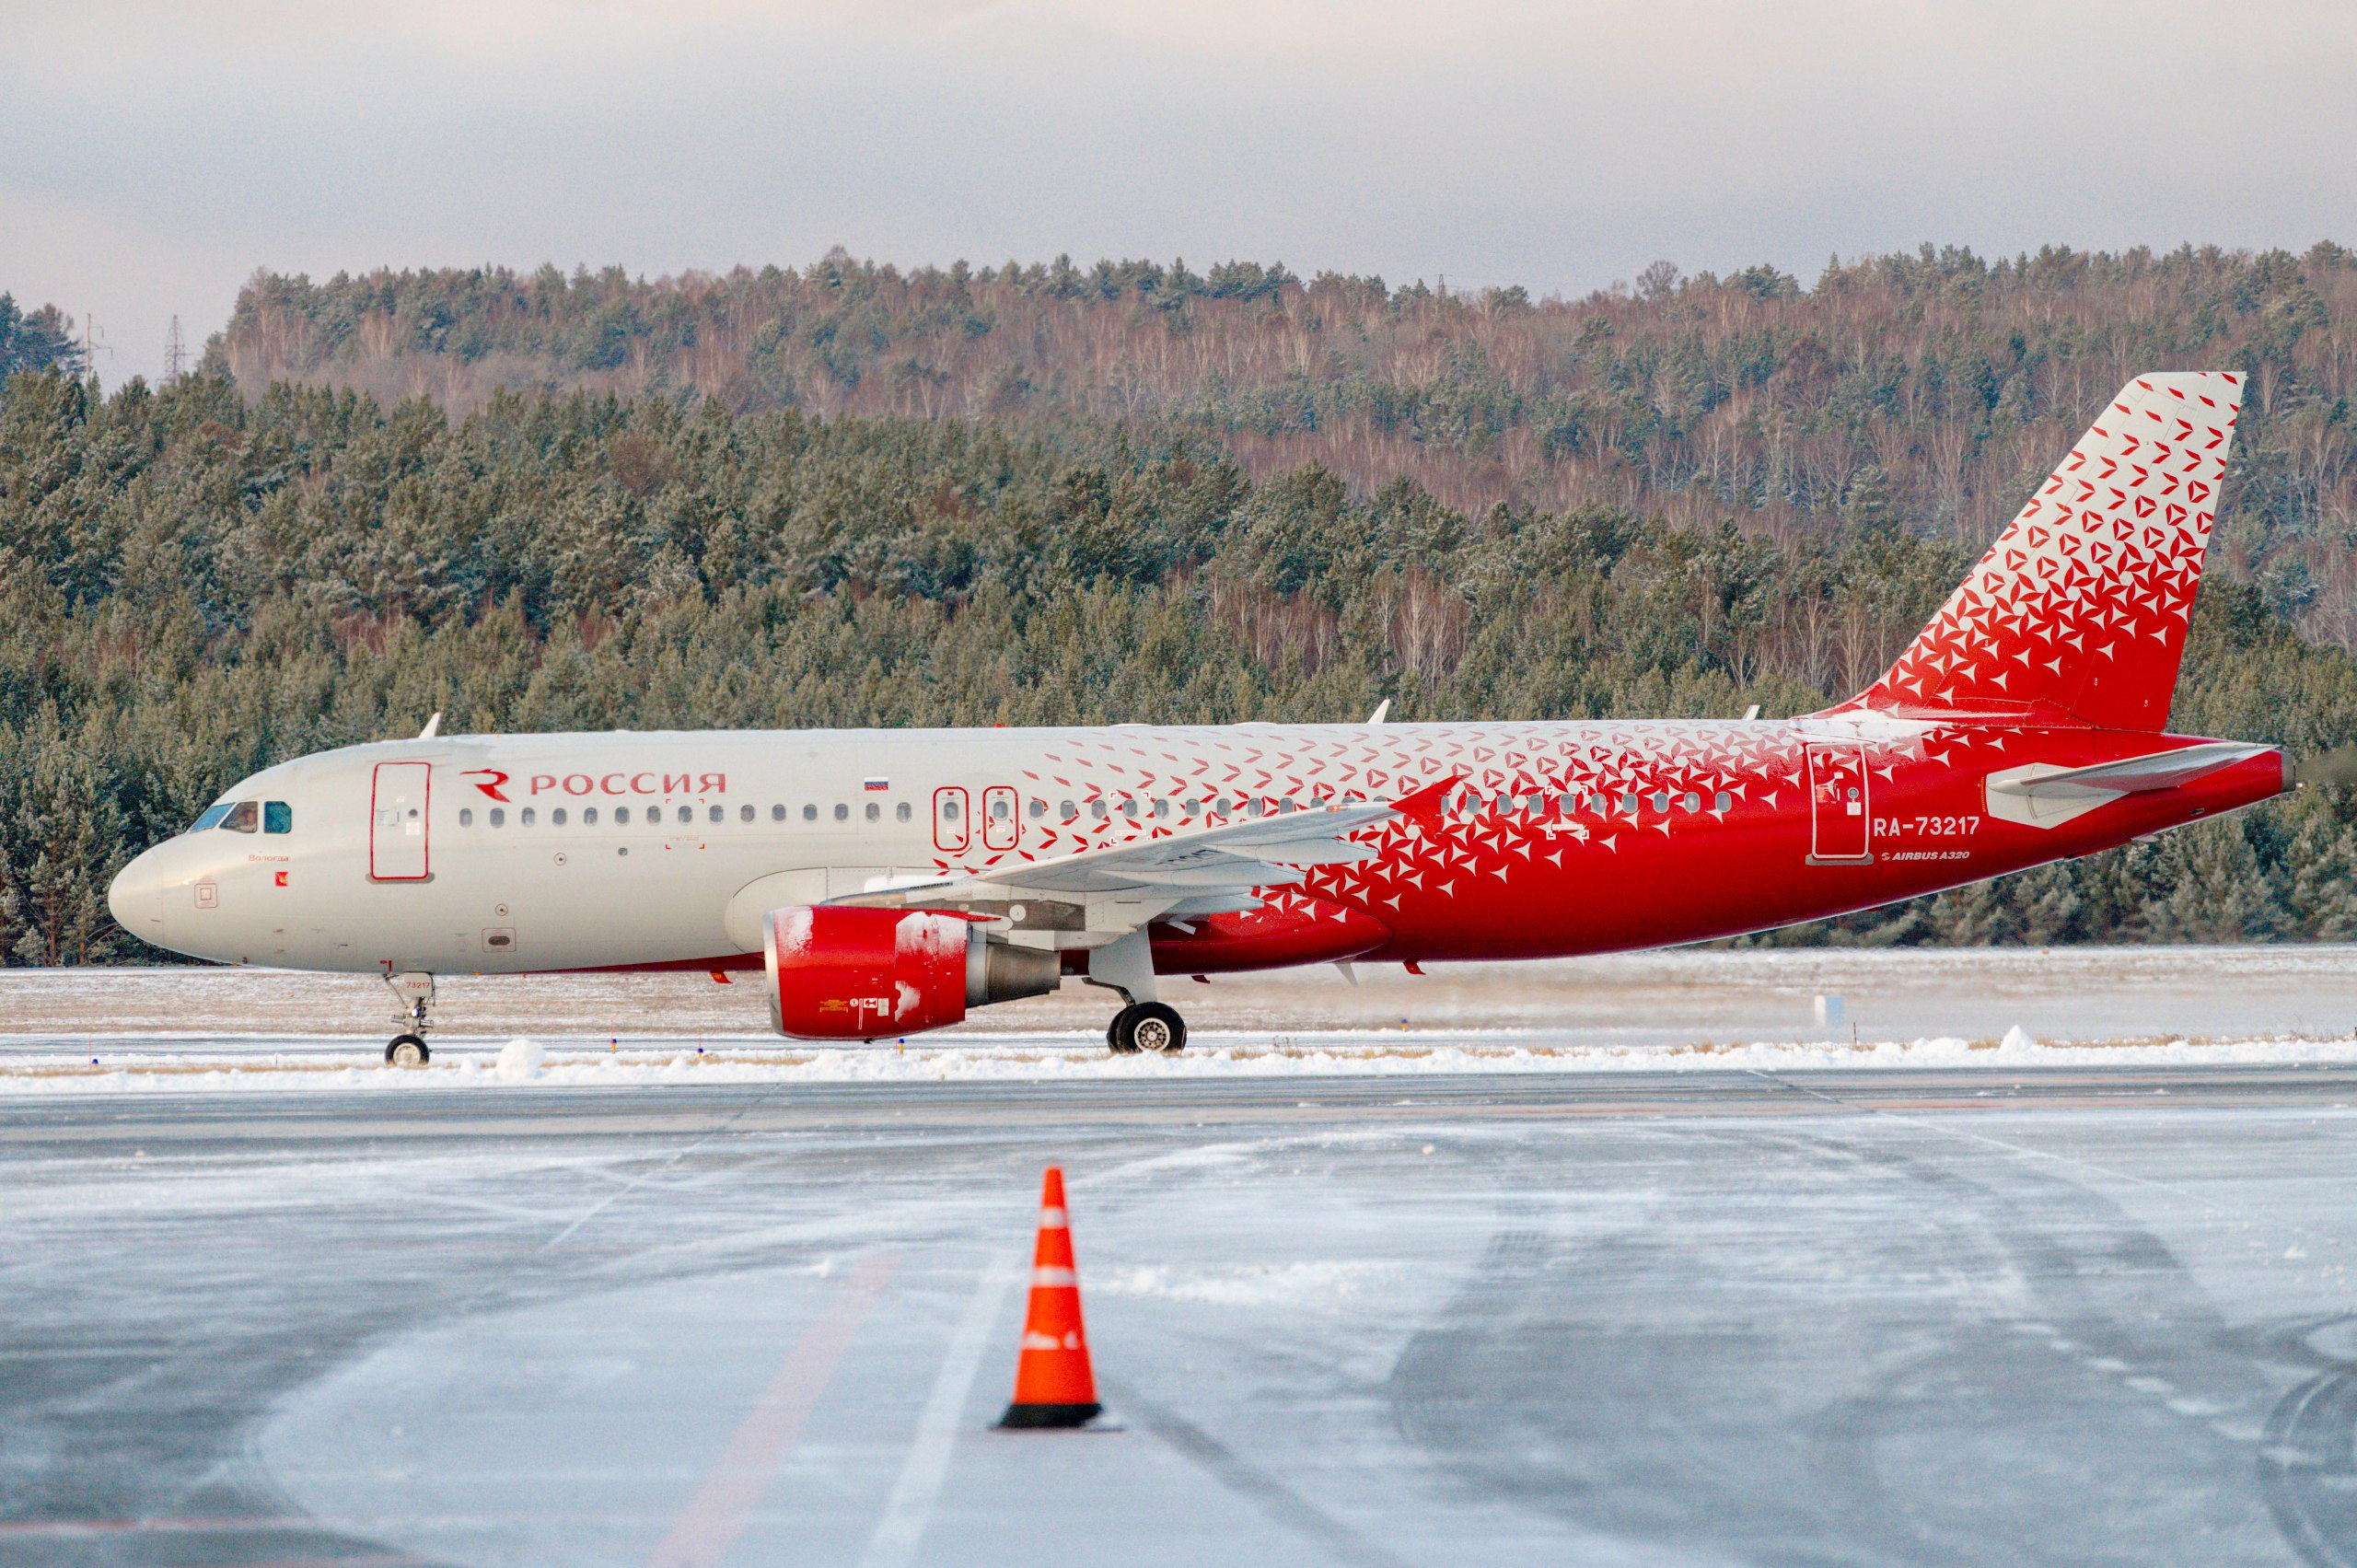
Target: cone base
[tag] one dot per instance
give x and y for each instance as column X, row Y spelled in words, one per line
column 1035, row 1417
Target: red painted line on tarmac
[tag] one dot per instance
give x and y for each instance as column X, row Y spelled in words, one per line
column 718, row 1513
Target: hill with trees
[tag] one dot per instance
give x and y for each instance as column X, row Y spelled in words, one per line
column 1926, row 391
column 198, row 580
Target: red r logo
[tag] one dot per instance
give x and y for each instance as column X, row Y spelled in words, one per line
column 489, row 785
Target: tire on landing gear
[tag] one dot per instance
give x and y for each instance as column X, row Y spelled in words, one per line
column 1147, row 1026
column 407, row 1051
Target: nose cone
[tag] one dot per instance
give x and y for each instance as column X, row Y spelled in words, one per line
column 137, row 895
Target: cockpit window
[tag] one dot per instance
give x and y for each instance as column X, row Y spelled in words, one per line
column 277, row 817
column 212, row 818
column 242, row 818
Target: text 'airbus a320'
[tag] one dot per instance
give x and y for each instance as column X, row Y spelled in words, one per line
column 888, row 881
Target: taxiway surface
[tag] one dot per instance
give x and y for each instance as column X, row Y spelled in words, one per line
column 1879, row 1317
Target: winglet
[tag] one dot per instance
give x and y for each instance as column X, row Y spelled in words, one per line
column 1424, row 806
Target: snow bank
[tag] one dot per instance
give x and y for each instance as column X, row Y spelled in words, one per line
column 520, row 1061
column 1077, row 1057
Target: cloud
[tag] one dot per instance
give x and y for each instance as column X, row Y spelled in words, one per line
column 1559, row 145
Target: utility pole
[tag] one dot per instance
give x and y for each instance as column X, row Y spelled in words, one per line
column 175, row 353
column 94, row 343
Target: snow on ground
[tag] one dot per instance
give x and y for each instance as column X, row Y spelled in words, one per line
column 578, row 1065
column 1670, row 997
column 190, row 1028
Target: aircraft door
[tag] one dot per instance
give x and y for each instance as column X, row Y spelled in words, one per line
column 1002, row 823
column 1838, row 805
column 951, row 832
column 398, row 796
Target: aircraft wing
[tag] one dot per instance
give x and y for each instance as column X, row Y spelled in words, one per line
column 1096, row 896
column 1231, row 858
column 1238, row 856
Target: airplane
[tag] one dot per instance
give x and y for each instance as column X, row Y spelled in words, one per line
column 886, row 882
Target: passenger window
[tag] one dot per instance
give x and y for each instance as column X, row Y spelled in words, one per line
column 744, row 813
column 1725, row 801
column 949, row 811
column 526, row 816
column 1693, row 801
column 1096, row 809
column 842, row 812
column 277, row 817
column 901, row 812
column 1000, row 810
column 876, row 812
column 1162, row 808
column 466, row 816
column 1038, row 810
column 210, row 818
column 557, row 817
column 622, row 815
column 243, row 817
column 809, row 813
column 686, row 814
column 777, row 813
column 498, row 818
column 589, row 816
column 1067, row 812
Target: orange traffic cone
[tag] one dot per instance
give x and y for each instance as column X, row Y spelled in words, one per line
column 1052, row 1384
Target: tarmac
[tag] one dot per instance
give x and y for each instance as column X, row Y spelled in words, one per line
column 2066, row 1314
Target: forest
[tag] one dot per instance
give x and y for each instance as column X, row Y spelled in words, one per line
column 556, row 502
column 1930, row 390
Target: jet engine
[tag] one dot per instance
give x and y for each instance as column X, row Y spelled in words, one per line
column 845, row 973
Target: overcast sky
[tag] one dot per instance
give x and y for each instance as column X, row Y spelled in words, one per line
column 152, row 156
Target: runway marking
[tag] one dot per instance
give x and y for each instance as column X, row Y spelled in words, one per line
column 717, row 1515
column 909, row 1509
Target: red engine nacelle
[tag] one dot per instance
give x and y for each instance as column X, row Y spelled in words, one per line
column 862, row 973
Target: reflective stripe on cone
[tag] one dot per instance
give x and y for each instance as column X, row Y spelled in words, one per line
column 1053, row 1385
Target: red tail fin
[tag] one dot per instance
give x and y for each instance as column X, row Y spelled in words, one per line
column 2078, row 611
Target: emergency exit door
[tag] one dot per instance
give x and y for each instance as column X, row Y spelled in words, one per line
column 951, row 831
column 1002, row 817
column 1836, row 802
column 396, row 822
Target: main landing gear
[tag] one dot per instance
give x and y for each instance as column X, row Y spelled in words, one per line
column 415, row 990
column 1147, row 1026
column 1126, row 968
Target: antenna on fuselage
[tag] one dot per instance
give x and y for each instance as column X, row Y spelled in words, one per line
column 1380, row 709
column 433, row 727
column 1752, row 713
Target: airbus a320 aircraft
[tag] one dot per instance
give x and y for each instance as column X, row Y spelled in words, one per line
column 888, row 881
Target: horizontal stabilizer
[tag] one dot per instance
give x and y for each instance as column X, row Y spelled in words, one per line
column 2041, row 795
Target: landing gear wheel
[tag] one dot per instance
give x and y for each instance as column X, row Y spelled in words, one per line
column 1147, row 1026
column 407, row 1051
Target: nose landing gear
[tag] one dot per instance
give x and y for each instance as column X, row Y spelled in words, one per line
column 415, row 990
